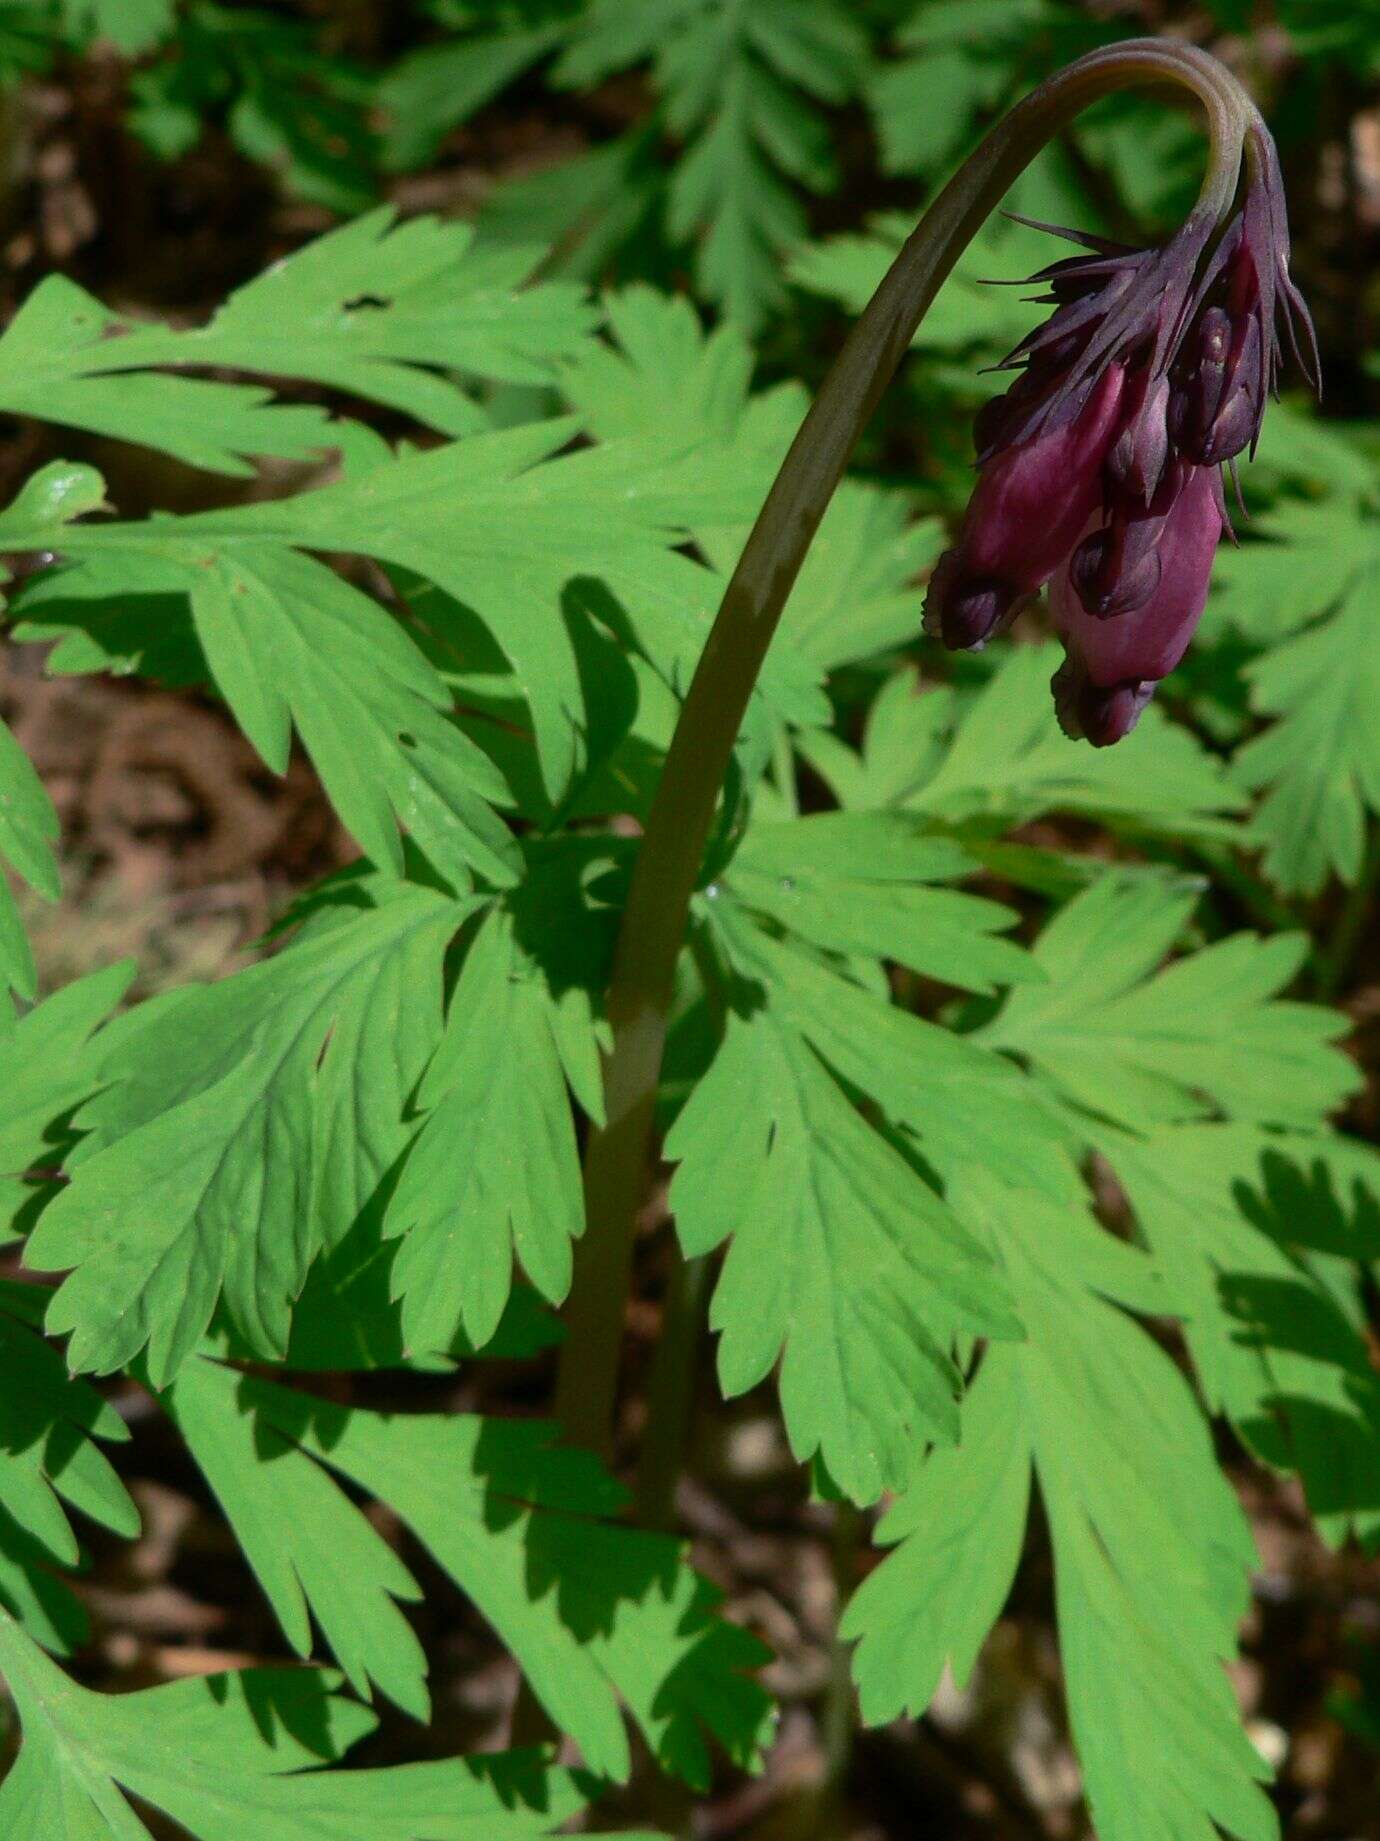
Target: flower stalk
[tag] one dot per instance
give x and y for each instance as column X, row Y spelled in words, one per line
column 617, row 1159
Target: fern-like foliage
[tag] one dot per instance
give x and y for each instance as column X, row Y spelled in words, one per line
column 362, row 1151
column 243, row 1754
column 741, row 85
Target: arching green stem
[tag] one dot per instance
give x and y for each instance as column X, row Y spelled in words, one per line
column 678, row 827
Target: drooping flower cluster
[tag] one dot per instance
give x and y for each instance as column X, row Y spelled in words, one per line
column 1099, row 469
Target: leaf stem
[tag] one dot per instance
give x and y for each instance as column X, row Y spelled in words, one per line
column 678, row 827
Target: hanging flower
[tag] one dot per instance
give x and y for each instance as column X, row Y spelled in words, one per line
column 1099, row 469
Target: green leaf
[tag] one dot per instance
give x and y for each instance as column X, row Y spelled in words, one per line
column 26, row 39
column 958, row 1533
column 962, row 1102
column 1007, row 761
column 587, row 211
column 998, row 760
column 285, row 103
column 960, row 58
column 29, row 829
column 844, row 1263
column 1118, row 1447
column 28, row 832
column 504, row 534
column 291, row 644
column 311, row 1550
column 227, row 1756
column 1256, row 1234
column 59, row 362
column 595, row 1612
column 732, row 78
column 1319, row 764
column 393, row 313
column 49, row 1065
column 131, row 25
column 248, row 1124
column 434, row 89
column 678, row 389
column 863, row 883
column 493, row 1177
column 967, row 315
column 1119, row 1038
column 389, row 312
column 50, row 1462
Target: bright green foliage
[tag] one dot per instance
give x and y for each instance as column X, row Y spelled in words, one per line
column 49, row 1065
column 500, row 531
column 1119, row 1039
column 743, row 84
column 291, row 644
column 957, row 60
column 967, row 316
column 595, row 1613
column 363, row 1153
column 1258, row 1237
column 233, row 1755
column 681, row 391
column 387, row 312
column 28, row 832
column 843, row 1253
column 494, row 1175
column 865, row 882
column 246, row 1125
column 1319, row 764
column 48, row 1457
column 998, row 759
column 731, row 74
column 1303, row 590
column 844, row 1262
column 961, row 1100
column 1151, row 1551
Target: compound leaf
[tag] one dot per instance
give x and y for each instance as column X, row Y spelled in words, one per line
column 595, row 1612
column 247, row 1125
column 845, row 1264
column 226, row 1756
column 1206, row 1034
column 1098, row 1413
column 493, row 1177
column 866, row 883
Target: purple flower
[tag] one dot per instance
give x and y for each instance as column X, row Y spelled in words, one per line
column 1098, row 468
column 1114, row 660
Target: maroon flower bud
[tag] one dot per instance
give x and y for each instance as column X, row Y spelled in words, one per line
column 1030, row 503
column 1139, row 647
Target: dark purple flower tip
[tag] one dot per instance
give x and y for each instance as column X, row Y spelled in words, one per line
column 964, row 611
column 1118, row 568
column 1091, row 713
column 1146, row 643
column 1106, row 580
